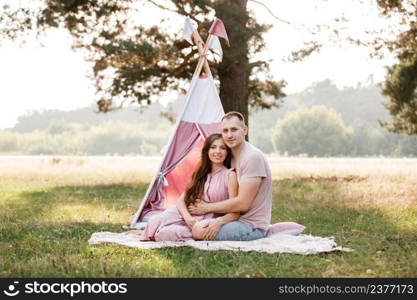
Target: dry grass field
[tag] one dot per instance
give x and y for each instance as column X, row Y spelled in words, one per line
column 49, row 207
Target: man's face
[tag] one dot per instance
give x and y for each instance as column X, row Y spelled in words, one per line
column 233, row 132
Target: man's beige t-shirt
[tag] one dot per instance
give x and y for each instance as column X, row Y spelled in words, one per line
column 249, row 164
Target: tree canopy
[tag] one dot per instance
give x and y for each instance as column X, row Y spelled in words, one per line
column 132, row 62
column 401, row 81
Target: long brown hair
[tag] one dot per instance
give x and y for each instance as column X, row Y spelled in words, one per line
column 195, row 188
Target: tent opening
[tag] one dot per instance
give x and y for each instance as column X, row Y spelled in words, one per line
column 180, row 176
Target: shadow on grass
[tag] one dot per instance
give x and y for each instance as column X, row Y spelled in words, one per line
column 28, row 226
column 28, row 205
column 59, row 248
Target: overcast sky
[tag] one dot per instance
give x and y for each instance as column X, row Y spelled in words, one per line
column 54, row 76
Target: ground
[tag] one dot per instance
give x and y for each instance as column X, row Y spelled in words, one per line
column 50, row 206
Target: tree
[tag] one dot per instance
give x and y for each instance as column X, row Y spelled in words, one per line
column 141, row 62
column 315, row 131
column 398, row 38
column 401, row 81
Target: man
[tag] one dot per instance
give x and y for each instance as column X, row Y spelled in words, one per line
column 254, row 200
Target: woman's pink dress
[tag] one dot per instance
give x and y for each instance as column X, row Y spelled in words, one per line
column 170, row 225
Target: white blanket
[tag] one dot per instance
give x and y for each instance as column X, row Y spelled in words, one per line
column 278, row 243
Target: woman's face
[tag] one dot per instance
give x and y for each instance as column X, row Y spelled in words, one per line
column 217, row 152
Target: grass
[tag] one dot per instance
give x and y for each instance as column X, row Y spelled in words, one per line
column 48, row 211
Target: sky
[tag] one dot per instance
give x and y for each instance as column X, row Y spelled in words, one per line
column 53, row 76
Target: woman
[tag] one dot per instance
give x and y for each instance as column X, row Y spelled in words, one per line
column 212, row 181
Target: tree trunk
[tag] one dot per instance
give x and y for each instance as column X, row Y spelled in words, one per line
column 234, row 69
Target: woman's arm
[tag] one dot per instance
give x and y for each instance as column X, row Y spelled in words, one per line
column 214, row 226
column 233, row 187
column 182, row 208
column 233, row 191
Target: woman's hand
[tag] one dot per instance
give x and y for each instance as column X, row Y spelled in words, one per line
column 190, row 221
column 212, row 228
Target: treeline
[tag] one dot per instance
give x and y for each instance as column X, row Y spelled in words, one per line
column 320, row 131
column 62, row 138
column 43, row 120
column 320, row 121
column 326, row 121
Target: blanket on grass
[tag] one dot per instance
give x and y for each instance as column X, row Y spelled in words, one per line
column 277, row 243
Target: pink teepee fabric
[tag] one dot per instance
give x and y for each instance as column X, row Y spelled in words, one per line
column 217, row 29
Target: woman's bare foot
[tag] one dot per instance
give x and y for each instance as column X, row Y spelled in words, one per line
column 136, row 232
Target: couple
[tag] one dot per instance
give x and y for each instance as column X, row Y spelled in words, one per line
column 229, row 197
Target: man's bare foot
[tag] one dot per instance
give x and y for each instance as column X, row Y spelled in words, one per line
column 136, row 232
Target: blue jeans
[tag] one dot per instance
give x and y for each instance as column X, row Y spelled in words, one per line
column 239, row 231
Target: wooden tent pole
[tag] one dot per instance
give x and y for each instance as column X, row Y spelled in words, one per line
column 203, row 60
column 199, row 44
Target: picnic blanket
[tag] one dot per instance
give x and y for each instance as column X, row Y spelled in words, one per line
column 277, row 243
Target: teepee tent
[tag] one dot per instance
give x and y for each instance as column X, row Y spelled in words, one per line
column 200, row 117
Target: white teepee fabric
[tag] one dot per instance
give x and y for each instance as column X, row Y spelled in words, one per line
column 201, row 117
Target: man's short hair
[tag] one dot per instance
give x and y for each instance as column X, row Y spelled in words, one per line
column 236, row 114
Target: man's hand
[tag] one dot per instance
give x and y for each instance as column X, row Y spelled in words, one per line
column 212, row 228
column 199, row 208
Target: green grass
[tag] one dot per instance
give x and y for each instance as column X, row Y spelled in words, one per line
column 46, row 221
